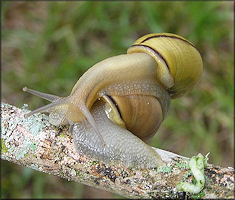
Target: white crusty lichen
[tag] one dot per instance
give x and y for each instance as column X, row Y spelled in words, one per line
column 197, row 165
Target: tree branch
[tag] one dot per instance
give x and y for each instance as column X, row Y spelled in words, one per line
column 34, row 143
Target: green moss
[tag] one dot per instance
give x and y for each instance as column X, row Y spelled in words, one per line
column 33, row 146
column 62, row 135
column 198, row 196
column 182, row 164
column 164, row 169
column 94, row 162
column 3, row 147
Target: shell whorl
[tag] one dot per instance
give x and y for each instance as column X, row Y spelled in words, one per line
column 179, row 62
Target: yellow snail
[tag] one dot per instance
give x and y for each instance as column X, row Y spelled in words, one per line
column 125, row 99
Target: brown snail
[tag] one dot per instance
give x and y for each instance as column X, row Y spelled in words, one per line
column 125, row 95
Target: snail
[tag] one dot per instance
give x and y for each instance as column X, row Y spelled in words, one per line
column 118, row 104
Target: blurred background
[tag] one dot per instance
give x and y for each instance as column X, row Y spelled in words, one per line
column 47, row 46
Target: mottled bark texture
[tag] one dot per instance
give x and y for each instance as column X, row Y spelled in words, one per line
column 34, row 143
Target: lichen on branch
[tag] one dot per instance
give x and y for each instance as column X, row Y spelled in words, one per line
column 34, row 143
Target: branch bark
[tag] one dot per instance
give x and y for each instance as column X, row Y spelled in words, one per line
column 34, row 143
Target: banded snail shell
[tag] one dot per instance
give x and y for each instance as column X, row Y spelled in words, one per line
column 179, row 62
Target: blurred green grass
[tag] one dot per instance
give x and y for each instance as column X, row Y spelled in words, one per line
column 47, row 46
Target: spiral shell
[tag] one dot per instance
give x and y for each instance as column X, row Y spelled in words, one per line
column 179, row 63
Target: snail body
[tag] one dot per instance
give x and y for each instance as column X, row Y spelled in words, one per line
column 122, row 147
column 132, row 92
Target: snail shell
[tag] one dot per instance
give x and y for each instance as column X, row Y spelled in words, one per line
column 128, row 94
column 179, row 62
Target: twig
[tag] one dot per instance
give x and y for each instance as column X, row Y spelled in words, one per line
column 34, row 143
